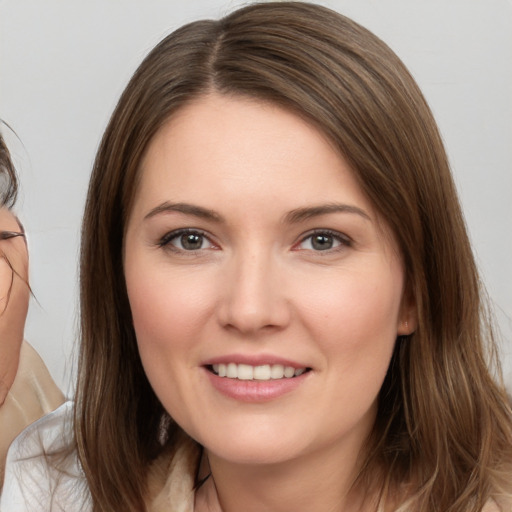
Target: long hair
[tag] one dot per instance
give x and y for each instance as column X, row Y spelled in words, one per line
column 443, row 431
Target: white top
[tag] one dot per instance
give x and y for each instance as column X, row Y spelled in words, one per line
column 39, row 476
column 43, row 475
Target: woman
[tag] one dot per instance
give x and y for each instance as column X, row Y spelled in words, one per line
column 27, row 391
column 280, row 307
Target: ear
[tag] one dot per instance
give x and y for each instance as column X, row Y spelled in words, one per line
column 408, row 316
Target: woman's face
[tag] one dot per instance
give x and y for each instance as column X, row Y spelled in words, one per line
column 252, row 251
column 14, row 297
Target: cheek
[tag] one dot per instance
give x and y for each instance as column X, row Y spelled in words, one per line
column 356, row 321
column 357, row 303
column 167, row 310
column 357, row 335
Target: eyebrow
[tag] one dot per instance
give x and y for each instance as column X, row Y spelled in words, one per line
column 292, row 217
column 302, row 214
column 187, row 209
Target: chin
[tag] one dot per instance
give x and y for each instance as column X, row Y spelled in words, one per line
column 255, row 454
column 260, row 445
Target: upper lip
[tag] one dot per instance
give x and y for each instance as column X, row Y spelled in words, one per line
column 253, row 360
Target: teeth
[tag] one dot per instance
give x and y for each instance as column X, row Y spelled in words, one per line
column 232, row 371
column 289, row 372
column 245, row 372
column 277, row 371
column 263, row 372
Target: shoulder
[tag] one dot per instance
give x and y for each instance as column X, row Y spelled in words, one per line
column 32, row 394
column 42, row 470
column 51, row 432
column 33, row 377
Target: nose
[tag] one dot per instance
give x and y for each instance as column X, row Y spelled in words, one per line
column 254, row 299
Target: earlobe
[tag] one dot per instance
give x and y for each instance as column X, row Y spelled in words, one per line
column 407, row 321
column 406, row 327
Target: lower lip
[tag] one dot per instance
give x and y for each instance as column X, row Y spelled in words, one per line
column 255, row 390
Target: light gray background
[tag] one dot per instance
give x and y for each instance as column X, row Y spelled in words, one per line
column 63, row 65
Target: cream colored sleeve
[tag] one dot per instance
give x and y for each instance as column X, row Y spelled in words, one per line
column 32, row 395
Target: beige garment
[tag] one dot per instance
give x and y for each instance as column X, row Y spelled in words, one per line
column 171, row 478
column 32, row 395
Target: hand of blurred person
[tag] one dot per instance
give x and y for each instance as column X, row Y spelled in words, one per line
column 14, row 297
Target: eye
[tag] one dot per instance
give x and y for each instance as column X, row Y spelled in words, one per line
column 186, row 240
column 323, row 241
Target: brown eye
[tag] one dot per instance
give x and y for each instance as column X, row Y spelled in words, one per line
column 186, row 240
column 324, row 241
column 191, row 241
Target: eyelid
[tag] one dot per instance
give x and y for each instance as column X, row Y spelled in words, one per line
column 5, row 235
column 345, row 240
column 164, row 241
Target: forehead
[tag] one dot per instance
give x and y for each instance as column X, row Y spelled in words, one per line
column 218, row 142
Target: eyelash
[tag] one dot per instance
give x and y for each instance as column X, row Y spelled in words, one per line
column 165, row 241
column 343, row 240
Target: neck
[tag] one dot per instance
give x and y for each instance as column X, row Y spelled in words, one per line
column 322, row 482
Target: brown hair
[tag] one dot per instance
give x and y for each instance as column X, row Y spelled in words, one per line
column 8, row 177
column 443, row 432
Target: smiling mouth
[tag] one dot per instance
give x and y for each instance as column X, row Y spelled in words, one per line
column 261, row 372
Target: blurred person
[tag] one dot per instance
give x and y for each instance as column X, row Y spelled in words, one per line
column 27, row 390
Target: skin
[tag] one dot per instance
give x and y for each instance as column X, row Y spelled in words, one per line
column 257, row 285
column 14, row 298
